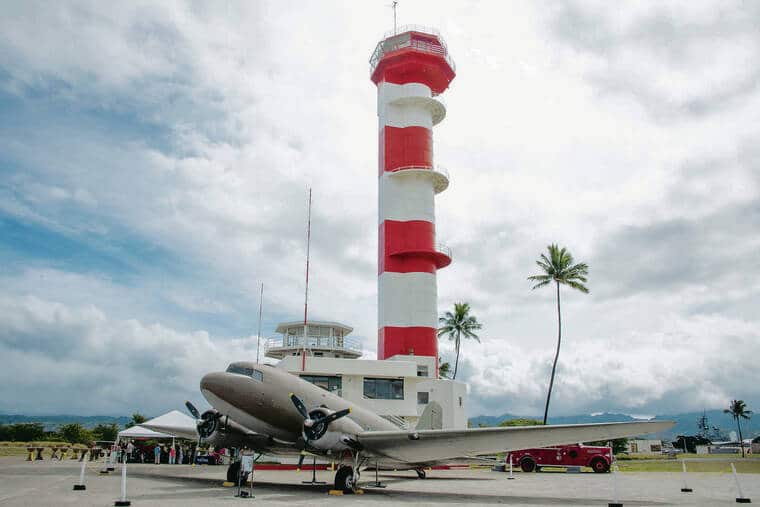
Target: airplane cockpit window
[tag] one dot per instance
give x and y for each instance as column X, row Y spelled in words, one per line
column 248, row 372
column 240, row 370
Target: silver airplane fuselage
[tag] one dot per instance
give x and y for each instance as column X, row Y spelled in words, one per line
column 258, row 397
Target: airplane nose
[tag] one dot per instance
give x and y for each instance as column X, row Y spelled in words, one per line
column 213, row 382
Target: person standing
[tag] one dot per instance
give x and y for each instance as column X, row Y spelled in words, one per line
column 172, row 455
column 130, row 450
column 157, row 454
column 181, row 455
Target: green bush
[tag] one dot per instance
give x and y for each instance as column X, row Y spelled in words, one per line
column 75, row 433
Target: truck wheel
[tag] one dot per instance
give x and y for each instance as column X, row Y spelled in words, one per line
column 527, row 464
column 600, row 465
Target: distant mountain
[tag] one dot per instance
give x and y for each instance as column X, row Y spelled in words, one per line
column 52, row 422
column 686, row 423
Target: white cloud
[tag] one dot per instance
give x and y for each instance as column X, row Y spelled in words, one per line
column 624, row 133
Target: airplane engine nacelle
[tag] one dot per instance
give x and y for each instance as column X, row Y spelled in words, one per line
column 330, row 436
column 331, row 441
column 221, row 431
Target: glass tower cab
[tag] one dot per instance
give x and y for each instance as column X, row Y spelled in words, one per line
column 323, row 339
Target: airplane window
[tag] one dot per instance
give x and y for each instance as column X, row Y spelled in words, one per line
column 240, row 370
column 248, row 372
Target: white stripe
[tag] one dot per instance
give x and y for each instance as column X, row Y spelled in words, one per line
column 407, row 299
column 406, row 197
column 394, row 113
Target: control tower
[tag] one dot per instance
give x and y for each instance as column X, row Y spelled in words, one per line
column 411, row 68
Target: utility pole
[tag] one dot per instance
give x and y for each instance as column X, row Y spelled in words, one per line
column 306, row 296
column 258, row 337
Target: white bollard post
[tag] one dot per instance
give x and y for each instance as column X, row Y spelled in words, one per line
column 81, row 486
column 509, row 457
column 685, row 488
column 615, row 495
column 104, row 470
column 123, row 502
column 740, row 498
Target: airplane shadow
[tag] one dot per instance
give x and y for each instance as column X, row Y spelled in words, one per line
column 396, row 496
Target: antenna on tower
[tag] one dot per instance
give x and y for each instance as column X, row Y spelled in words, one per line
column 306, row 297
column 258, row 338
column 393, row 5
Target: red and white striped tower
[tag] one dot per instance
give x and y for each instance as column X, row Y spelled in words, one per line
column 410, row 67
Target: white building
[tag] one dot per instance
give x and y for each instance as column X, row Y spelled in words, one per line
column 398, row 388
column 641, row 446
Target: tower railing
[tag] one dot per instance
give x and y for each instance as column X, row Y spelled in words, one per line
column 444, row 249
column 386, row 46
column 314, row 342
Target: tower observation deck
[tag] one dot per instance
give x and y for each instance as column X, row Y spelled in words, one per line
column 411, row 68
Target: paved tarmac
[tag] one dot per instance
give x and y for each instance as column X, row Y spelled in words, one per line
column 50, row 483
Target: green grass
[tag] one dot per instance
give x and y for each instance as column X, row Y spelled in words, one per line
column 19, row 448
column 742, row 466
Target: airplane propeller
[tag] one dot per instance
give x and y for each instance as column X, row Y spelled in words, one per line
column 315, row 423
column 206, row 423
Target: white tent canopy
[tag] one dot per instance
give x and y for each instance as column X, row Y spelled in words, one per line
column 140, row 432
column 173, row 423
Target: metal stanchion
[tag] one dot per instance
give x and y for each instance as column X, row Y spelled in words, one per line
column 741, row 498
column 685, row 488
column 313, row 480
column 511, row 475
column 123, row 502
column 81, row 486
column 377, row 483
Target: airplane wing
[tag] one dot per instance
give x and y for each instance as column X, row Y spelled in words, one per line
column 439, row 445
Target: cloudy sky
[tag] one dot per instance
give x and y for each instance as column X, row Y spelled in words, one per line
column 154, row 161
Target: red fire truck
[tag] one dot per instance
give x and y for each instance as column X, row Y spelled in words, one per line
column 530, row 460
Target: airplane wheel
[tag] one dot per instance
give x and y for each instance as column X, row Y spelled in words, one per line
column 527, row 464
column 421, row 473
column 344, row 479
column 600, row 466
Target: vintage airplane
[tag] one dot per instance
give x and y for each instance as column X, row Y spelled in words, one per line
column 268, row 410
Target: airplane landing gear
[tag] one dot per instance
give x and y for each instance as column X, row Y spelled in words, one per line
column 421, row 473
column 346, row 479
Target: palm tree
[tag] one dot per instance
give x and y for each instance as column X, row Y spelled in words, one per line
column 738, row 409
column 457, row 325
column 443, row 368
column 137, row 418
column 559, row 268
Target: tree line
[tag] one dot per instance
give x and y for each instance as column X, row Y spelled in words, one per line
column 73, row 433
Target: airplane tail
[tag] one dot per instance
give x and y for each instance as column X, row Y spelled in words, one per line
column 431, row 418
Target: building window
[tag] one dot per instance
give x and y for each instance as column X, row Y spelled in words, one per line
column 423, row 398
column 331, row 384
column 460, row 401
column 384, row 389
column 422, row 370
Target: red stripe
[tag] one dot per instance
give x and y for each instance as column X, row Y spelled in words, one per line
column 405, row 341
column 407, row 146
column 406, row 247
column 411, row 66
